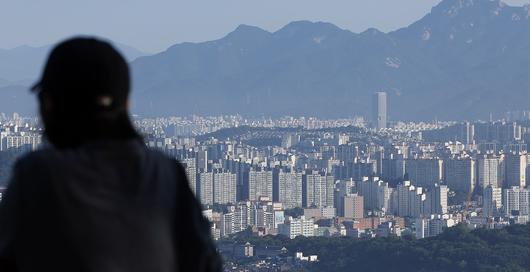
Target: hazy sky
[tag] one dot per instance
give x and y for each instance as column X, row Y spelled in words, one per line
column 153, row 25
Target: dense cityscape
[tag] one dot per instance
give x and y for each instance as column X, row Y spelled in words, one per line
column 354, row 177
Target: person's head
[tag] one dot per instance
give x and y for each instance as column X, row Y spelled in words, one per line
column 83, row 93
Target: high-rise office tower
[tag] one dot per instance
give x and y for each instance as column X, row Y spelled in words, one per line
column 492, row 201
column 379, row 117
column 259, row 184
column 290, row 189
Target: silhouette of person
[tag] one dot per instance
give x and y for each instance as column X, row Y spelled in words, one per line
column 96, row 198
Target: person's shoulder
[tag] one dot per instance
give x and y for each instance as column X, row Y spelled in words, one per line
column 37, row 157
column 34, row 163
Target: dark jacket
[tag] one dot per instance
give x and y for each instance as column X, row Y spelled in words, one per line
column 105, row 206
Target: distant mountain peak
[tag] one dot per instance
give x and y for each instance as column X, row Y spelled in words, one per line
column 308, row 26
column 247, row 32
column 249, row 28
column 372, row 32
column 300, row 24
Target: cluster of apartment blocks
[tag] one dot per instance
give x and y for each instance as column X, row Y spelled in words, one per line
column 355, row 206
column 231, row 181
column 291, row 188
column 370, row 208
column 463, row 172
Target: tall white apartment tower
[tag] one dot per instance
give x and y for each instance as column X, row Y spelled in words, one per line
column 224, row 188
column 319, row 189
column 489, row 171
column 290, row 189
column 259, row 184
column 206, row 188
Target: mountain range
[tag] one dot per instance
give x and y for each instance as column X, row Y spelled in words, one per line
column 466, row 59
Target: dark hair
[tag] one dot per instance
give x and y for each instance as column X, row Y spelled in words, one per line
column 83, row 94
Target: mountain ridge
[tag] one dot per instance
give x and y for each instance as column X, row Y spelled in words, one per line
column 454, row 55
